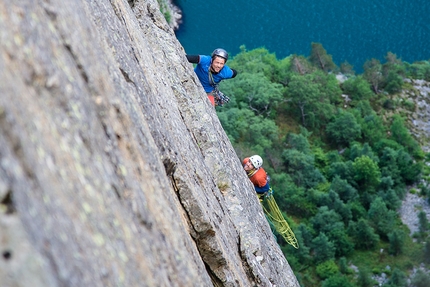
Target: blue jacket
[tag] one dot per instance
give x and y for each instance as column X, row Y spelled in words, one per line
column 202, row 72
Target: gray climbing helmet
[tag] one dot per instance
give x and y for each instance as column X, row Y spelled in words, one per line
column 220, row 53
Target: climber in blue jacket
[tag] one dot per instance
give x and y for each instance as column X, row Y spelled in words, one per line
column 211, row 70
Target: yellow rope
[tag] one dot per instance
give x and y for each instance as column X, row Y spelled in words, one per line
column 280, row 224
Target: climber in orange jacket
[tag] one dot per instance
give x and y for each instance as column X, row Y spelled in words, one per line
column 257, row 175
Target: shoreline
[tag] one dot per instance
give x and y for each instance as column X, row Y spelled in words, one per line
column 176, row 15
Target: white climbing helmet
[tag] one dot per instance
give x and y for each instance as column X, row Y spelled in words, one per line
column 256, row 161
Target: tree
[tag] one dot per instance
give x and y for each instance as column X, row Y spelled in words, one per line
column 253, row 91
column 333, row 201
column 427, row 252
column 342, row 243
column 367, row 172
column 383, row 219
column 410, row 170
column 392, row 82
column 343, row 129
column 364, row 279
column 401, row 134
column 257, row 61
column 328, row 86
column 391, row 199
column 421, row 279
column 397, row 241
column 373, row 74
column 321, row 59
column 325, row 219
column 389, row 166
column 359, row 150
column 238, row 122
column 310, row 100
column 298, row 142
column 323, row 249
column 303, row 93
column 327, row 269
column 346, row 68
column 423, row 222
column 300, row 65
column 358, row 89
column 393, row 71
column 343, row 266
column 398, row 279
column 364, row 234
column 301, row 168
column 372, row 128
column 337, row 280
column 345, row 170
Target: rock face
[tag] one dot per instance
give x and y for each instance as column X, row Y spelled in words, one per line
column 114, row 168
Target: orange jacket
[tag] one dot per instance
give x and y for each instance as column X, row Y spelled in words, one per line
column 258, row 178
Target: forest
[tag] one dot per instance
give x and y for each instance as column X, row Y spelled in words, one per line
column 340, row 157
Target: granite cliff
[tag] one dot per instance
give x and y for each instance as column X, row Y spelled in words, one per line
column 114, row 168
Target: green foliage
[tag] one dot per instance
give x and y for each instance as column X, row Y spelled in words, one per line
column 309, row 101
column 364, row 278
column 291, row 197
column 260, row 61
column 323, row 248
column 401, row 135
column 301, row 168
column 346, row 68
column 421, row 279
column 238, row 122
column 393, row 83
column 373, row 74
column 298, row 142
column 427, row 252
column 343, row 266
column 337, row 281
column 358, row 89
column 371, row 124
column 381, row 217
column 397, row 241
column 367, row 172
column 393, row 72
column 253, row 91
column 363, row 234
column 291, row 112
column 398, row 279
column 164, row 9
column 418, row 70
column 344, row 170
column 345, row 191
column 343, row 129
column 327, row 269
column 320, row 59
column 423, row 224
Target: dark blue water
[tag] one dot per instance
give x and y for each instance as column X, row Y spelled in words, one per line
column 350, row 30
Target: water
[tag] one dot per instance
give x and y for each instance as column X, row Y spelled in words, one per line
column 352, row 31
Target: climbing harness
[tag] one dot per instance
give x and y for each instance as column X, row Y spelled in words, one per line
column 219, row 97
column 275, row 217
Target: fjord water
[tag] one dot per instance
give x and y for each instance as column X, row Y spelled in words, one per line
column 350, row 30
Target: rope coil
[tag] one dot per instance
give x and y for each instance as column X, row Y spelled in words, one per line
column 281, row 225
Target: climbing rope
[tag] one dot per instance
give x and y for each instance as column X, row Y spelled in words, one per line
column 275, row 216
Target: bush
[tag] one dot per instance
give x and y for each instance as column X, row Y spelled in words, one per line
column 327, row 269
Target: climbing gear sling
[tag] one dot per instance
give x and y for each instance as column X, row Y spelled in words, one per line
column 220, row 98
